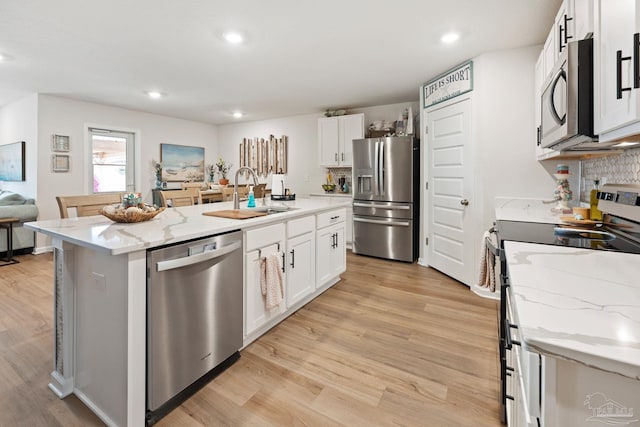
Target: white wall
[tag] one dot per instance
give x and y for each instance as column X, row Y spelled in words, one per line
column 304, row 175
column 19, row 122
column 503, row 144
column 503, row 113
column 69, row 117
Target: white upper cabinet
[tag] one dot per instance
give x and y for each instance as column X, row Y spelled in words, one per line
column 334, row 139
column 582, row 13
column 574, row 21
column 616, row 69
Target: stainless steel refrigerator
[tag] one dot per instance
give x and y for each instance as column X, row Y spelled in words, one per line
column 385, row 179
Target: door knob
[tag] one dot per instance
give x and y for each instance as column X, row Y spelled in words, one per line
column 464, row 202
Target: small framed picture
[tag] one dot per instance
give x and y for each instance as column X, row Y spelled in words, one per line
column 60, row 163
column 60, row 143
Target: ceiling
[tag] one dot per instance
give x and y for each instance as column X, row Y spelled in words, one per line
column 300, row 56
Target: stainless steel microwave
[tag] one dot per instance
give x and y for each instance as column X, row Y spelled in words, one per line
column 567, row 101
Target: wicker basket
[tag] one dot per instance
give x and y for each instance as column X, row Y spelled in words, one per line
column 123, row 216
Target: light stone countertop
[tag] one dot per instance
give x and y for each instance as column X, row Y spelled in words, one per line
column 346, row 195
column 171, row 226
column 578, row 304
column 527, row 210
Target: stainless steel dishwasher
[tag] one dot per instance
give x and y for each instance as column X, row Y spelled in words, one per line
column 194, row 317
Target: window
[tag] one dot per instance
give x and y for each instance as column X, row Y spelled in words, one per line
column 112, row 161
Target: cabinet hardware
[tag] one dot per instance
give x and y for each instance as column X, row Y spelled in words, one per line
column 560, row 31
column 507, row 334
column 464, row 202
column 335, row 217
column 283, row 262
column 538, row 141
column 335, row 156
column 566, row 27
column 293, row 258
column 343, row 157
column 619, row 88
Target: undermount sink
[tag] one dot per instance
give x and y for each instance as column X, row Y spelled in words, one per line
column 270, row 210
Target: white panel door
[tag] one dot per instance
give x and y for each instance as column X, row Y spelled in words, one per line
column 450, row 183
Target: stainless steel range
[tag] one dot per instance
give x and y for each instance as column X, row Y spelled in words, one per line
column 619, row 231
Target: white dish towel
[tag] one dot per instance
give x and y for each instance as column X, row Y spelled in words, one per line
column 271, row 280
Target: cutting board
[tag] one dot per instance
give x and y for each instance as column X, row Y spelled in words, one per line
column 572, row 220
column 235, row 214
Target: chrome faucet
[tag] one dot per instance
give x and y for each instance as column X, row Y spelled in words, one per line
column 236, row 199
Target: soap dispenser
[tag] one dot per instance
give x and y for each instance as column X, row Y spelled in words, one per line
column 252, row 200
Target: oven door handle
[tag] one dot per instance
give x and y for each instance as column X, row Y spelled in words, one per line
column 195, row 259
column 509, row 342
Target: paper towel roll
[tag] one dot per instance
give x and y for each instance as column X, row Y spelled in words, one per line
column 278, row 184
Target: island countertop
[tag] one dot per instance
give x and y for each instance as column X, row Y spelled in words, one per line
column 578, row 304
column 171, row 226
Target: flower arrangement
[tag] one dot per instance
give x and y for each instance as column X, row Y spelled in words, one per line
column 222, row 168
column 157, row 169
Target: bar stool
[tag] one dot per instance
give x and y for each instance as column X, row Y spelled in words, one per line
column 7, row 224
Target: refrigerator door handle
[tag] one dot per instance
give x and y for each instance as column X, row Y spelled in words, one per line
column 375, row 172
column 380, row 168
column 373, row 221
column 373, row 205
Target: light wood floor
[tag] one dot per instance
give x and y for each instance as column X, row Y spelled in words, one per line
column 391, row 344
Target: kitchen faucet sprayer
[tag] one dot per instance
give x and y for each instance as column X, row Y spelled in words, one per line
column 236, row 198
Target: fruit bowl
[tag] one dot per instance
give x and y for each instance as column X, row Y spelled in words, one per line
column 329, row 188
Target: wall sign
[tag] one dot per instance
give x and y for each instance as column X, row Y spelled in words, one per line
column 449, row 85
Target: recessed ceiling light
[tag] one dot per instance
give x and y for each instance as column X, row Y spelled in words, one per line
column 626, row 144
column 450, row 38
column 4, row 57
column 237, row 114
column 155, row 94
column 233, row 37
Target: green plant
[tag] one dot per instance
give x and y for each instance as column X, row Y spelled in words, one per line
column 222, row 168
column 157, row 167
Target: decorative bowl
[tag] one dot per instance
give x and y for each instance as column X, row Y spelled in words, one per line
column 329, row 188
column 124, row 215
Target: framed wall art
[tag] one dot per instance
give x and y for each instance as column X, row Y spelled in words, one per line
column 60, row 163
column 12, row 161
column 60, row 143
column 182, row 163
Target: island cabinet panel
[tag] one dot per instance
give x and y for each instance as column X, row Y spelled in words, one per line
column 301, row 267
column 260, row 244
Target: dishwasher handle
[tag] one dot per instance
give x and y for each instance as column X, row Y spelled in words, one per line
column 195, row 259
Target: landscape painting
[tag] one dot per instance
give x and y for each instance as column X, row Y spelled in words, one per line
column 12, row 163
column 182, row 163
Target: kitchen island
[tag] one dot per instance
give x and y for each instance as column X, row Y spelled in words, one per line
column 100, row 290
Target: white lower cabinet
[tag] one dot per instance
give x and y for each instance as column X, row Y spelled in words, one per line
column 260, row 243
column 301, row 259
column 348, row 226
column 305, row 260
column 331, row 256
